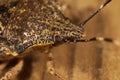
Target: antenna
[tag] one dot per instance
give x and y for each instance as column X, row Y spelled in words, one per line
column 93, row 14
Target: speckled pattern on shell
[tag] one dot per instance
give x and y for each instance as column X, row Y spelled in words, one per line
column 35, row 22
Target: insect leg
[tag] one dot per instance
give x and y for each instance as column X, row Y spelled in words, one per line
column 51, row 67
column 100, row 39
column 12, row 73
column 93, row 14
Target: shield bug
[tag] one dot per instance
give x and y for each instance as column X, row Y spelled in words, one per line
column 41, row 24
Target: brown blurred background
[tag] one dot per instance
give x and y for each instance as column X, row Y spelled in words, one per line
column 83, row 61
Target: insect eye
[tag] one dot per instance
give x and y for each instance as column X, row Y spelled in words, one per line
column 57, row 39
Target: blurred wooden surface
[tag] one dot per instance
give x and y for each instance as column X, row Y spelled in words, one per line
column 83, row 61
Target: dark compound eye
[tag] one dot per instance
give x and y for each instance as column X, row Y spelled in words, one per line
column 57, row 39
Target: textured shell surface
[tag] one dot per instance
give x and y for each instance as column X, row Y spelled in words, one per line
column 34, row 22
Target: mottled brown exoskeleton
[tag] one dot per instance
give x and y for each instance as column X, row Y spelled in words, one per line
column 38, row 23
